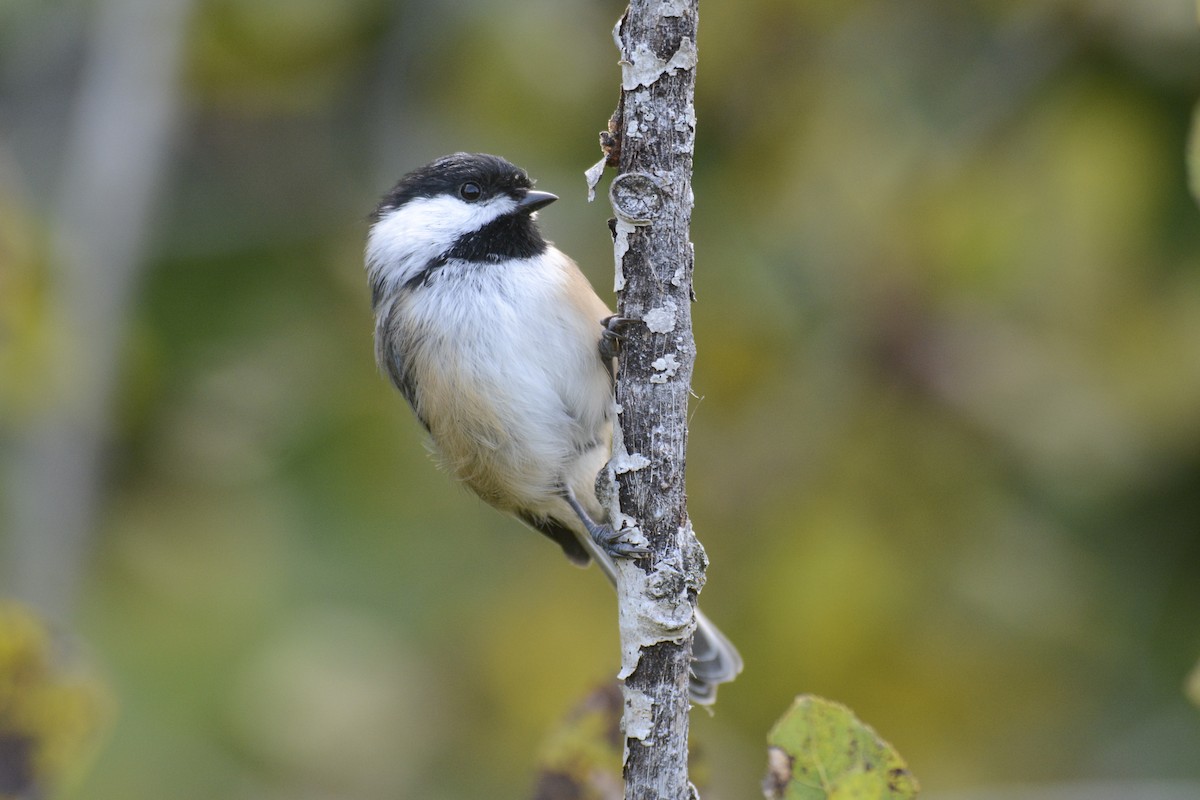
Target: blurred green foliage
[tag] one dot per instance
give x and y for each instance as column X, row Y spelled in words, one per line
column 582, row 759
column 51, row 713
column 945, row 456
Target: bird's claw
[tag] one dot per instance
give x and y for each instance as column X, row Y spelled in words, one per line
column 611, row 336
column 616, row 545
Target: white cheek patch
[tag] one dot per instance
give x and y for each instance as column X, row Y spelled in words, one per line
column 405, row 239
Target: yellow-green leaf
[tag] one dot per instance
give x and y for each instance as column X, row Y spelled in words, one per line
column 820, row 751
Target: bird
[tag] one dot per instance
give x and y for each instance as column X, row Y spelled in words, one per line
column 505, row 353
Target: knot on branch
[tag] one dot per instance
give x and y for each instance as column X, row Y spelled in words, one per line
column 636, row 197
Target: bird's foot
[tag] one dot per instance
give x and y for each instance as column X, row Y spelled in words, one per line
column 616, row 544
column 611, row 336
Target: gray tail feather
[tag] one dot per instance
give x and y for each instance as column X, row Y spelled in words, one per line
column 714, row 661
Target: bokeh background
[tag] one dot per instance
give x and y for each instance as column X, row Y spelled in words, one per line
column 945, row 447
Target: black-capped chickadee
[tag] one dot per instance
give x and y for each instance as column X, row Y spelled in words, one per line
column 504, row 351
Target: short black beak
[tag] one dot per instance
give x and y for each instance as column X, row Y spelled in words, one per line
column 532, row 201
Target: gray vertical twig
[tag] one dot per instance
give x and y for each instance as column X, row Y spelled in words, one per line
column 650, row 141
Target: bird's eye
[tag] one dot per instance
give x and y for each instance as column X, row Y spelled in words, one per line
column 470, row 191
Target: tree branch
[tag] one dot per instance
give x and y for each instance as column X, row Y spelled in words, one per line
column 651, row 141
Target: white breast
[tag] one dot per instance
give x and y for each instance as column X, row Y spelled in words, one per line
column 509, row 379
